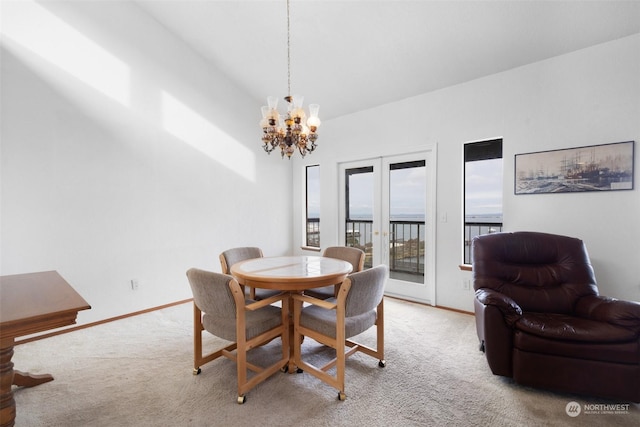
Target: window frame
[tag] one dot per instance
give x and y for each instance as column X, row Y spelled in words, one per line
column 487, row 149
column 309, row 240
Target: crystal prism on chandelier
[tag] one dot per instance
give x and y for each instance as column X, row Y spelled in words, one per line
column 294, row 130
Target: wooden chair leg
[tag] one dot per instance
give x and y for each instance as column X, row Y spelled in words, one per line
column 340, row 351
column 380, row 333
column 297, row 337
column 197, row 339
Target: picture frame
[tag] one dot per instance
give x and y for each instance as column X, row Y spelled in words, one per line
column 604, row 167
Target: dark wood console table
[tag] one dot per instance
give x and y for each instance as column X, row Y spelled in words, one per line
column 30, row 303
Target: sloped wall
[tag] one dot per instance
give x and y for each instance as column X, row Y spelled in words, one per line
column 126, row 156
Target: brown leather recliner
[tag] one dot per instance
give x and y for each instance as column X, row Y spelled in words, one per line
column 541, row 321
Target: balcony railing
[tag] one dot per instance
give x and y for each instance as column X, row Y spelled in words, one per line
column 313, row 232
column 472, row 229
column 359, row 235
column 406, row 246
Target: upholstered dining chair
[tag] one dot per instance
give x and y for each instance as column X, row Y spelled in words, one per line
column 220, row 308
column 352, row 255
column 358, row 307
column 234, row 255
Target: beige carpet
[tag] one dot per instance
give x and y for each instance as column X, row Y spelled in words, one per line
column 137, row 372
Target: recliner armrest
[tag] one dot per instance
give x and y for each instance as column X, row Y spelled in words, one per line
column 610, row 310
column 509, row 308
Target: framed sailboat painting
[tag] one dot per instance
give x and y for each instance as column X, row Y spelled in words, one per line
column 603, row 167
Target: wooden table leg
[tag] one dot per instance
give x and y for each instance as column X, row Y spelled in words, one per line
column 7, row 403
column 292, row 366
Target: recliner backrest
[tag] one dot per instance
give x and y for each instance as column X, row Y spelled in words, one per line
column 541, row 272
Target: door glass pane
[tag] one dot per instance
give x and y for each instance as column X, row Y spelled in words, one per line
column 359, row 210
column 407, row 205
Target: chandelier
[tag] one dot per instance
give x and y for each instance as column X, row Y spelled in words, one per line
column 293, row 130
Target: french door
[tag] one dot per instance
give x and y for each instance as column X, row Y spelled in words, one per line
column 386, row 209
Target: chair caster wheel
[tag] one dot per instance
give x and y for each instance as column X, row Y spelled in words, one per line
column 382, row 363
column 341, row 396
column 196, row 371
column 299, row 370
column 284, row 369
column 241, row 399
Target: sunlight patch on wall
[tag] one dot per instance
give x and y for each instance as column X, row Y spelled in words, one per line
column 38, row 30
column 190, row 127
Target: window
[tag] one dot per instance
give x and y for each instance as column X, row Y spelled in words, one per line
column 482, row 191
column 313, row 206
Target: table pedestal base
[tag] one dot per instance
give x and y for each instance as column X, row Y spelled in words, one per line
column 25, row 379
column 10, row 377
column 7, row 404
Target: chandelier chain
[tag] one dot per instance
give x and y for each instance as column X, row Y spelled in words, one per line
column 288, row 51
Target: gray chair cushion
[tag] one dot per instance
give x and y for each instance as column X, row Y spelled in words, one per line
column 235, row 255
column 345, row 253
column 323, row 292
column 353, row 256
column 366, row 292
column 324, row 321
column 367, row 289
column 213, row 297
column 211, row 293
column 257, row 322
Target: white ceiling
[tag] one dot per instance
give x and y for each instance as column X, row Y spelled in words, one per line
column 352, row 55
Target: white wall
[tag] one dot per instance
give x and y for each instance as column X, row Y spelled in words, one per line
column 126, row 156
column 587, row 97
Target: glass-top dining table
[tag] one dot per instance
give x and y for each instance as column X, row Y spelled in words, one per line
column 293, row 274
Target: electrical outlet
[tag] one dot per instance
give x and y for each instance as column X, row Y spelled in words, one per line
column 466, row 284
column 135, row 283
